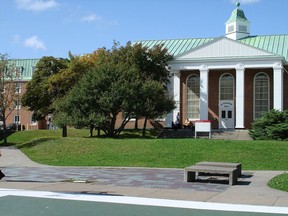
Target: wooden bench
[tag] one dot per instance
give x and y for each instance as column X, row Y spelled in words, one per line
column 238, row 166
column 191, row 173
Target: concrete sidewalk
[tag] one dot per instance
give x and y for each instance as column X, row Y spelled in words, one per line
column 22, row 173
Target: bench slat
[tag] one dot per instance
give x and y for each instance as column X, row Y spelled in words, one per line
column 223, row 164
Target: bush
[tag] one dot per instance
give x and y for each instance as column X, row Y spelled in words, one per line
column 273, row 125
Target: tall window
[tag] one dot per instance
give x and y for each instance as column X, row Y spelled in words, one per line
column 193, row 97
column 261, row 94
column 226, row 87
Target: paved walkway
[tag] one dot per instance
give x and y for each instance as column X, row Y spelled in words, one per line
column 22, row 173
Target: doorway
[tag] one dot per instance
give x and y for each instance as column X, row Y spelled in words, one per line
column 226, row 114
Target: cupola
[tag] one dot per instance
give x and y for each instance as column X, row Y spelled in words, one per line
column 237, row 26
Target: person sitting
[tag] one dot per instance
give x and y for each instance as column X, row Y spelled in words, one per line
column 187, row 123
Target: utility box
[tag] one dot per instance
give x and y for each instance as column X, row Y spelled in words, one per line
column 203, row 126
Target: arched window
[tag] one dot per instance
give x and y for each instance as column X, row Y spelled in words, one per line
column 261, row 94
column 193, row 97
column 226, row 87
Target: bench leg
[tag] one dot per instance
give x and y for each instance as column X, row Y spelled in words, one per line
column 190, row 176
column 233, row 178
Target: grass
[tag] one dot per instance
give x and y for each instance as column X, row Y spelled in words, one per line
column 279, row 182
column 47, row 147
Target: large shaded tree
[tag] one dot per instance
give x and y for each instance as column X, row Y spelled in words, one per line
column 100, row 96
column 119, row 83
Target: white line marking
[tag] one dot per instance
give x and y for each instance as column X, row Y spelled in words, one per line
column 145, row 201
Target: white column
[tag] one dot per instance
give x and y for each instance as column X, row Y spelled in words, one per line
column 240, row 96
column 278, row 86
column 204, row 92
column 176, row 93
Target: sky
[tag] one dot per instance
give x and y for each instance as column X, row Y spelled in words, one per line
column 37, row 28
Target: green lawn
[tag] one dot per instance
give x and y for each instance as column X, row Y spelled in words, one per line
column 279, row 182
column 47, row 147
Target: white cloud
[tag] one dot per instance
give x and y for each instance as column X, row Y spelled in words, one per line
column 35, row 43
column 36, row 5
column 91, row 18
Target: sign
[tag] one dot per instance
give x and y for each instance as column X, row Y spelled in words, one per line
column 203, row 126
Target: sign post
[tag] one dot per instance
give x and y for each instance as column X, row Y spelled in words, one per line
column 203, row 126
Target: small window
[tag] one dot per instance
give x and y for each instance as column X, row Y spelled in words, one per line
column 32, row 120
column 231, row 28
column 17, row 119
column 223, row 115
column 242, row 28
column 18, row 87
column 17, row 104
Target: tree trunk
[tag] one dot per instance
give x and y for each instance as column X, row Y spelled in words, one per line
column 144, row 126
column 64, row 131
column 4, row 131
column 91, row 130
column 136, row 123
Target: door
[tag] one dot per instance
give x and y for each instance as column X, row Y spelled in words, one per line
column 226, row 114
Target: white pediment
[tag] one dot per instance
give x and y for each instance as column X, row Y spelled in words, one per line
column 223, row 48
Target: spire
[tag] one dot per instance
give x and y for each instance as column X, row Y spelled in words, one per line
column 237, row 26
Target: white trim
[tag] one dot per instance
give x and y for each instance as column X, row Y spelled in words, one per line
column 240, row 86
column 176, row 93
column 278, row 86
column 204, row 84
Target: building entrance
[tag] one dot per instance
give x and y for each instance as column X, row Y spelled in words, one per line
column 226, row 114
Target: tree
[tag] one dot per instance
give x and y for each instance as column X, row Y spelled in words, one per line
column 153, row 66
column 39, row 97
column 116, row 84
column 155, row 101
column 101, row 95
column 9, row 73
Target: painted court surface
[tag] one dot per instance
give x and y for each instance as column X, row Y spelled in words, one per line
column 27, row 203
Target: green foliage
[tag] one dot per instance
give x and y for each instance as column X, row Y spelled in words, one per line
column 126, row 79
column 279, row 182
column 37, row 97
column 273, row 125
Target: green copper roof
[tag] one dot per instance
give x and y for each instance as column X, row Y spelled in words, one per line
column 27, row 65
column 237, row 14
column 277, row 44
column 177, row 46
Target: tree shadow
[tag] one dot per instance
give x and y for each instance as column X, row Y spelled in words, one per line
column 34, row 142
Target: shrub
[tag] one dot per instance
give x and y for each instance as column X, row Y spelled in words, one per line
column 273, row 125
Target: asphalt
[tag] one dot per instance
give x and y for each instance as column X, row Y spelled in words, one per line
column 22, row 173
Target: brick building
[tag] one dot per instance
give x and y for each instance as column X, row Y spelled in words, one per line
column 230, row 80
